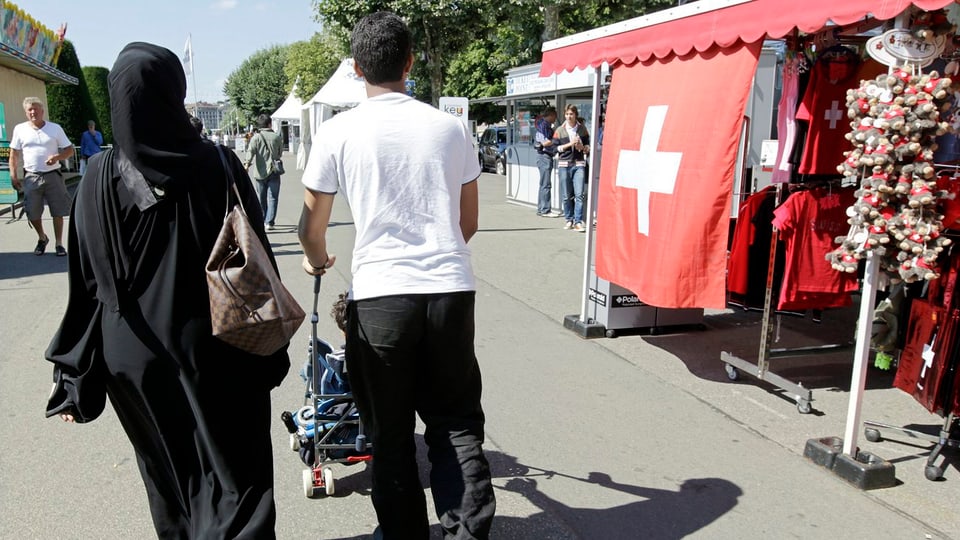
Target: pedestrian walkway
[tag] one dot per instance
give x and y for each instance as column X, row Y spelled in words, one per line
column 635, row 437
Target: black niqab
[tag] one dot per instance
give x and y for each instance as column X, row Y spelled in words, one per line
column 151, row 127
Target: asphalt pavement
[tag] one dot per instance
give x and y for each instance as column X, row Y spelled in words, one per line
column 635, row 437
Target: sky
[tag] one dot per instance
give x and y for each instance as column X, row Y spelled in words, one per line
column 224, row 33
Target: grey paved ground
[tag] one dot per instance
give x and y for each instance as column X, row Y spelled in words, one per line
column 635, row 437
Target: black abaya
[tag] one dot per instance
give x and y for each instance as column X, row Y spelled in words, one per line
column 137, row 326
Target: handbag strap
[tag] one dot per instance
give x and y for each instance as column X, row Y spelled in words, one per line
column 231, row 183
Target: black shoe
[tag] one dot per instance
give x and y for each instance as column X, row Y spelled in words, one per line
column 41, row 246
column 61, row 252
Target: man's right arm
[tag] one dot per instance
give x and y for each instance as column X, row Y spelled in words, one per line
column 15, row 168
column 469, row 209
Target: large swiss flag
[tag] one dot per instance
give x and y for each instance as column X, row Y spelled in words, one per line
column 669, row 148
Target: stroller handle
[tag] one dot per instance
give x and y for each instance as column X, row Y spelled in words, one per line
column 316, row 284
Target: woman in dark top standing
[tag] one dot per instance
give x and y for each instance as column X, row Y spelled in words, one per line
column 137, row 325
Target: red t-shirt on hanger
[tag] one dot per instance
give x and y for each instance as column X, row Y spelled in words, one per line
column 824, row 108
column 809, row 221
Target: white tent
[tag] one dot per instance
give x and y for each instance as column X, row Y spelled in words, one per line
column 290, row 110
column 343, row 90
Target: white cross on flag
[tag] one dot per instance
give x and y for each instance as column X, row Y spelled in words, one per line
column 669, row 150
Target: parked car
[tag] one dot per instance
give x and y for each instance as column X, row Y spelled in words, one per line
column 491, row 148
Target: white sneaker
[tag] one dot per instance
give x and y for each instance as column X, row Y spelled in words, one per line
column 579, row 227
column 568, row 225
column 268, row 227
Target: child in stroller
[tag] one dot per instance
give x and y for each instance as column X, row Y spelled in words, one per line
column 327, row 429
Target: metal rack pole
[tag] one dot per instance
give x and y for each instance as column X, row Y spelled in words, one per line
column 859, row 379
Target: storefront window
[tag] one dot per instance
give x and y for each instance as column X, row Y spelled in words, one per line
column 526, row 113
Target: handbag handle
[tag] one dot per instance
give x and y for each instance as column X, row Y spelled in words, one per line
column 230, row 183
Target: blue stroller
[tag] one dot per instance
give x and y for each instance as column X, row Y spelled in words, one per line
column 327, row 429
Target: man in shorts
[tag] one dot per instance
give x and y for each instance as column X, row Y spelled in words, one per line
column 39, row 146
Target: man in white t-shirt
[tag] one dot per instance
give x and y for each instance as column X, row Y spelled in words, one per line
column 409, row 173
column 39, row 146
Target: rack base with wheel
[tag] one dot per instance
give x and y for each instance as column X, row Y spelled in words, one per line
column 949, row 437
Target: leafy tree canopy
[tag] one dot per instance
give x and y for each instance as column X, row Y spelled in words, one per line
column 67, row 104
column 441, row 29
column 259, row 85
column 312, row 62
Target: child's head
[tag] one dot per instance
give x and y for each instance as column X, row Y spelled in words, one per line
column 339, row 312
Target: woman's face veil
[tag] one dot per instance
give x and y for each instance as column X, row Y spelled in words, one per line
column 151, row 126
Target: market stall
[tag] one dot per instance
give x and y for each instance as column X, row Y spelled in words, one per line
column 343, row 90
column 286, row 119
column 675, row 125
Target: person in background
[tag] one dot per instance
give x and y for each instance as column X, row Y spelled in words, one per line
column 543, row 142
column 90, row 143
column 264, row 150
column 137, row 325
column 39, row 146
column 198, row 125
column 572, row 141
column 409, row 173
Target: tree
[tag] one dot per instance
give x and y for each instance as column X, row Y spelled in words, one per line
column 312, row 62
column 96, row 78
column 440, row 28
column 259, row 85
column 70, row 105
column 513, row 34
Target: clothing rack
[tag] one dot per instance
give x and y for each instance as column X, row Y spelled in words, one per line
column 761, row 369
column 949, row 432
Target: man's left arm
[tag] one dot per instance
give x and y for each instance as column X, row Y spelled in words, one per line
column 317, row 207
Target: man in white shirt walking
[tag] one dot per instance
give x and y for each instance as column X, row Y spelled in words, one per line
column 40, row 146
column 409, row 174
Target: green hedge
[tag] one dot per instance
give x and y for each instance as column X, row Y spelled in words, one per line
column 69, row 104
column 96, row 78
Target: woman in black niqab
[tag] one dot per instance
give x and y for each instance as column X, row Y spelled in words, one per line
column 137, row 326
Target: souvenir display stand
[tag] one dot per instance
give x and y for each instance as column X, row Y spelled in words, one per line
column 706, row 25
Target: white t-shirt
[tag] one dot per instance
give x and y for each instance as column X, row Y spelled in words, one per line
column 38, row 144
column 401, row 164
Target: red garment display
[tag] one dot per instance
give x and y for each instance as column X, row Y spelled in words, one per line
column 824, row 108
column 809, row 221
column 927, row 367
column 931, row 335
column 738, row 266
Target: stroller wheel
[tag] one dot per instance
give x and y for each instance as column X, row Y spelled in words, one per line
column 328, row 480
column 309, row 490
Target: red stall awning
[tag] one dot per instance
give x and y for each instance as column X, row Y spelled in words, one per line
column 701, row 25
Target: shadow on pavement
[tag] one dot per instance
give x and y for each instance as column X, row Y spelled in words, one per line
column 657, row 514
column 25, row 264
column 738, row 332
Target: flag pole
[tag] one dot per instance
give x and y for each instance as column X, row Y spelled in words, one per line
column 193, row 75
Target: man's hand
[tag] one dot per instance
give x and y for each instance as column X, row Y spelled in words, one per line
column 309, row 268
column 53, row 158
column 16, row 184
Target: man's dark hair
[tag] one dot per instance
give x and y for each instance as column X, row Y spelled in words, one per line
column 196, row 123
column 549, row 110
column 263, row 121
column 381, row 44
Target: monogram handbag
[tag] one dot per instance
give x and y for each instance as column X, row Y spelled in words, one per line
column 249, row 306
